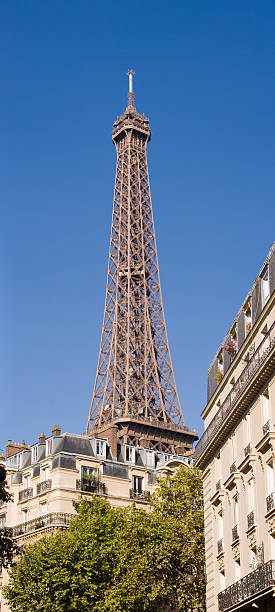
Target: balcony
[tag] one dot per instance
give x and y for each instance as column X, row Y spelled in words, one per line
column 218, row 485
column 250, row 519
column 266, row 428
column 261, row 580
column 270, row 502
column 263, row 351
column 25, row 494
column 220, row 546
column 92, row 486
column 143, row 495
column 233, row 468
column 235, row 535
column 247, row 450
column 43, row 487
column 54, row 519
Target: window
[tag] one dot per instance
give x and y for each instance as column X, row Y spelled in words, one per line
column 130, row 454
column 3, row 520
column 137, row 484
column 44, row 509
column 89, row 478
column 270, row 478
column 250, row 495
column 49, row 447
column 247, row 317
column 25, row 516
column 265, row 286
column 34, row 454
column 265, row 404
column 100, row 447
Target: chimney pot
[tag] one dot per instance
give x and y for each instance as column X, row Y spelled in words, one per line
column 56, row 431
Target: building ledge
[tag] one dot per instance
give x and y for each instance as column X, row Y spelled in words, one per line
column 258, row 586
column 247, row 463
column 231, row 480
column 267, row 441
column 217, row 497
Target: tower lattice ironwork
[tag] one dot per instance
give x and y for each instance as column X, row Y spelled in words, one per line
column 135, row 398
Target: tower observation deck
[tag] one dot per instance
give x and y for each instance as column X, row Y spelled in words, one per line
column 135, row 399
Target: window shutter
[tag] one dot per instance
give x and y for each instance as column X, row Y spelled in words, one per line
column 212, row 381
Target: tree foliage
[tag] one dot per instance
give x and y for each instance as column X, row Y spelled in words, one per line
column 114, row 559
column 7, row 546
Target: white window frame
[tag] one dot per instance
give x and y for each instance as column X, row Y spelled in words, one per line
column 100, row 447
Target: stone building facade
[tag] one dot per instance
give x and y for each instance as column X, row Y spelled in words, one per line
column 47, row 477
column 237, row 457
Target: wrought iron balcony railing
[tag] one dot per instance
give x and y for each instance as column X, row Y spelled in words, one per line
column 54, row 519
column 246, row 376
column 26, row 494
column 235, row 534
column 218, row 485
column 258, row 580
column 250, row 519
column 266, row 428
column 247, row 450
column 220, row 546
column 145, row 495
column 44, row 486
column 92, row 486
column 233, row 468
column 270, row 502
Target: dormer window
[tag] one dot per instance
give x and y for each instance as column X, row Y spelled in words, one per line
column 265, row 286
column 100, row 447
column 35, row 454
column 247, row 317
column 49, row 447
column 130, row 454
column 219, row 373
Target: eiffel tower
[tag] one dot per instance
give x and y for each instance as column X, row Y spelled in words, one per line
column 135, row 399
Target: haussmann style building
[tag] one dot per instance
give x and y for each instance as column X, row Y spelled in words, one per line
column 237, row 457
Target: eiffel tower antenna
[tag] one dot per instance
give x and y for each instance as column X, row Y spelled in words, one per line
column 135, row 399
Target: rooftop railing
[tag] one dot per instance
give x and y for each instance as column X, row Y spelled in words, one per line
column 54, row 519
column 250, row 519
column 253, row 583
column 145, row 495
column 44, row 486
column 270, row 502
column 93, row 486
column 26, row 494
column 247, row 374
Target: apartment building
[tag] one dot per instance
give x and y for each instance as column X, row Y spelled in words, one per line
column 237, row 457
column 47, row 477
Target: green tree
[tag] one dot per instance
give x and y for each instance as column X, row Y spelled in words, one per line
column 7, row 546
column 119, row 559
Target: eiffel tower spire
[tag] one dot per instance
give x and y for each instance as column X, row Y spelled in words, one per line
column 135, row 398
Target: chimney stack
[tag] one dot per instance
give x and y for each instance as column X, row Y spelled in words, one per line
column 56, row 431
column 42, row 438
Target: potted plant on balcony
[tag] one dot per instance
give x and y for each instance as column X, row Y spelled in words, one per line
column 247, row 328
column 231, row 348
column 219, row 376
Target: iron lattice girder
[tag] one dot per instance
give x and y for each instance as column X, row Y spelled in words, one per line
column 134, row 375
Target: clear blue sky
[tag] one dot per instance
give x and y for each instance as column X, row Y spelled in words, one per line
column 205, row 77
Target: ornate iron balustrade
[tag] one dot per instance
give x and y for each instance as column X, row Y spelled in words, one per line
column 270, row 502
column 218, row 485
column 220, row 546
column 26, row 494
column 233, row 468
column 258, row 580
column 247, row 450
column 93, row 486
column 247, row 374
column 2, row 503
column 235, row 534
column 266, row 428
column 145, row 495
column 54, row 519
column 250, row 519
column 42, row 487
